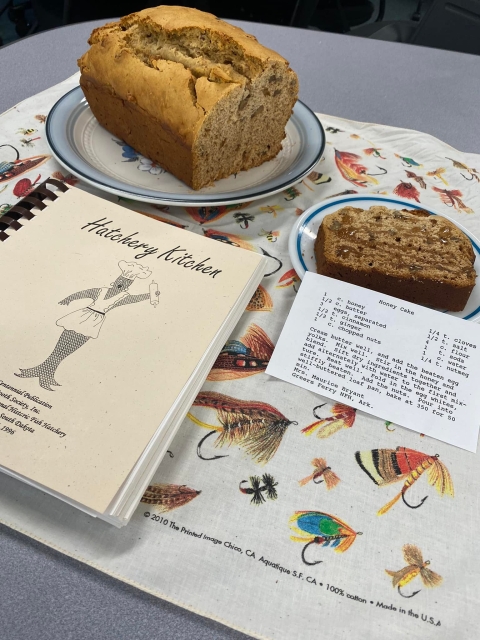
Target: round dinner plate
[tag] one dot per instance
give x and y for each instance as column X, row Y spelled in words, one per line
column 90, row 152
column 304, row 233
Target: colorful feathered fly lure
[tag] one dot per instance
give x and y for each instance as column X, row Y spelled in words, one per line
column 260, row 301
column 452, row 198
column 373, row 151
column 343, row 418
column 315, row 527
column 319, row 178
column 407, row 190
column 347, row 192
column 256, row 427
column 414, row 176
column 409, row 162
column 290, row 278
column 258, row 486
column 245, row 357
column 473, row 173
column 438, row 173
column 165, row 497
column 243, row 219
column 228, row 238
column 349, row 165
column 12, row 166
column 209, row 214
column 385, row 466
column 322, row 472
column 416, row 566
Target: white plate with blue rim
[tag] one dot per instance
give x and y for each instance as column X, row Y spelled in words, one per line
column 94, row 155
column 304, row 233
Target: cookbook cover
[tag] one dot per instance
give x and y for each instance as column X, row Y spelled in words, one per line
column 105, row 316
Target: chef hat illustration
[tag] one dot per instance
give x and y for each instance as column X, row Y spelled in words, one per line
column 132, row 270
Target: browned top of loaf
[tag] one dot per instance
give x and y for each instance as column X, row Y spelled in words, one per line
column 172, row 19
column 411, row 245
column 176, row 61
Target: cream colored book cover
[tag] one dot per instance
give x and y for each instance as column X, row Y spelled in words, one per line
column 104, row 316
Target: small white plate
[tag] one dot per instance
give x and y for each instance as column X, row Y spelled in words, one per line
column 304, row 233
column 90, row 152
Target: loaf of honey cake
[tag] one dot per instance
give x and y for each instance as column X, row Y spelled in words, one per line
column 198, row 96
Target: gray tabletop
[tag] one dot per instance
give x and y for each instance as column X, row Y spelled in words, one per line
column 47, row 596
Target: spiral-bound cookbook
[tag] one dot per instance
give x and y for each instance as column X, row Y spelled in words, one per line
column 110, row 323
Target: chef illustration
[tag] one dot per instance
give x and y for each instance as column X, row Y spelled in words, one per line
column 80, row 326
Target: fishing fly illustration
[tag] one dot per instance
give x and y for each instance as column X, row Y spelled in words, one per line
column 473, row 173
column 315, row 527
column 416, row 566
column 276, row 261
column 271, row 236
column 245, row 357
column 438, row 173
column 372, row 151
column 228, row 238
column 24, row 187
column 322, row 472
column 243, row 219
column 319, row 178
column 289, row 279
column 386, row 466
column 255, row 427
column 12, row 166
column 203, row 215
column 67, row 179
column 408, row 162
column 292, row 193
column 166, row 497
column 260, row 301
column 259, row 486
column 343, row 418
column 28, row 142
column 347, row 192
column 452, row 198
column 419, row 179
column 26, row 132
column 407, row 190
column 349, row 165
column 273, row 209
column 83, row 324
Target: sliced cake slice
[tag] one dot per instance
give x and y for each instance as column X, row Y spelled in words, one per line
column 411, row 255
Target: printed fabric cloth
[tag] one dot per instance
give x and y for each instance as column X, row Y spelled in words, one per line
column 255, row 515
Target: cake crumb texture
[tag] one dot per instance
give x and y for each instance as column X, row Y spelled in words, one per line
column 411, row 255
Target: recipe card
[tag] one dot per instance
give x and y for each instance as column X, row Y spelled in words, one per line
column 396, row 360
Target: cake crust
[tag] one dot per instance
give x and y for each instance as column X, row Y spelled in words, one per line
column 177, row 81
column 407, row 254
